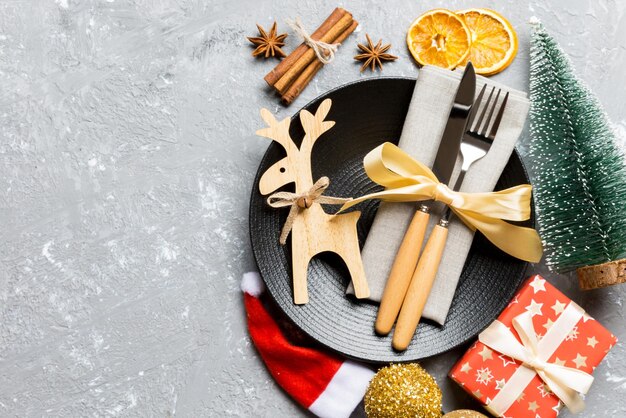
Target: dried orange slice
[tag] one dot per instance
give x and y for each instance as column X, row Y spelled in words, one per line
column 439, row 37
column 494, row 42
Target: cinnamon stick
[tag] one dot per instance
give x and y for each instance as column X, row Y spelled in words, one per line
column 273, row 76
column 307, row 58
column 309, row 72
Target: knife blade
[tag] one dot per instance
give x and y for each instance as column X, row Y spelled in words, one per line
column 408, row 253
column 455, row 127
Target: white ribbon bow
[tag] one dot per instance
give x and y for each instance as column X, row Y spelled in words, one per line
column 565, row 382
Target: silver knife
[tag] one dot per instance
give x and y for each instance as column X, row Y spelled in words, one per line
column 409, row 251
column 455, row 128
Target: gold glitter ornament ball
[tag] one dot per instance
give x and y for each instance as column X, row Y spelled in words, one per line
column 403, row 390
column 464, row 413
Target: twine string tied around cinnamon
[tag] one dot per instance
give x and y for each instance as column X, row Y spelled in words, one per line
column 302, row 201
column 325, row 52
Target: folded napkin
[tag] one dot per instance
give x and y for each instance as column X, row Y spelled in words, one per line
column 425, row 121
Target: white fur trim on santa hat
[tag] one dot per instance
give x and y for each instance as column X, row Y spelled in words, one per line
column 344, row 392
column 252, row 284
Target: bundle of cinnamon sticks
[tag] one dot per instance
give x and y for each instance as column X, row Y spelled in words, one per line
column 295, row 72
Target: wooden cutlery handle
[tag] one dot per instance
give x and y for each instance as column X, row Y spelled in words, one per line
column 419, row 289
column 401, row 272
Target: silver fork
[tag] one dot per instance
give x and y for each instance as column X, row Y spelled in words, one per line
column 475, row 145
column 476, row 142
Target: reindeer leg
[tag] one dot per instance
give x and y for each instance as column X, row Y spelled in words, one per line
column 300, row 259
column 349, row 251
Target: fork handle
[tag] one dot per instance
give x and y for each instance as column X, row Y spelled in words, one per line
column 419, row 289
column 402, row 271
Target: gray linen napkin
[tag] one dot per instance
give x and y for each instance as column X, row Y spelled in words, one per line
column 425, row 121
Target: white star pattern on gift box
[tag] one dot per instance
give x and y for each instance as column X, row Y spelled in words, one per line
column 532, row 406
column 486, row 353
column 514, row 301
column 612, row 344
column 506, row 360
column 557, row 408
column 484, row 376
column 544, row 390
column 534, row 308
column 538, row 284
column 573, row 334
column 548, row 324
column 477, row 394
column 558, row 307
column 591, row 342
column 500, row 384
column 580, row 361
column 465, row 368
column 559, row 362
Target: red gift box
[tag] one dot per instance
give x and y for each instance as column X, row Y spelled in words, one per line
column 513, row 388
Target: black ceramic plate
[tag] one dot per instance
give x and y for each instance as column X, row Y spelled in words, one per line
column 368, row 113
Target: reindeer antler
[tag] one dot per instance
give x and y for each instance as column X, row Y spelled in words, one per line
column 315, row 126
column 277, row 131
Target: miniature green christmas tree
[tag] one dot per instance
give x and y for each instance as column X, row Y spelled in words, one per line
column 579, row 173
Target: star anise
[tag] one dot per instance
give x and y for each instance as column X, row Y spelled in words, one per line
column 374, row 54
column 268, row 44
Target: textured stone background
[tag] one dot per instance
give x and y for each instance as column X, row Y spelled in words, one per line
column 127, row 155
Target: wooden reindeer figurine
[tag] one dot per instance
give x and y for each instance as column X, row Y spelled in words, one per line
column 313, row 231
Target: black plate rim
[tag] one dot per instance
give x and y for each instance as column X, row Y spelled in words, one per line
column 256, row 254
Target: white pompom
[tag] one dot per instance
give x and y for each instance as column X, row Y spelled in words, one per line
column 252, row 284
column 534, row 21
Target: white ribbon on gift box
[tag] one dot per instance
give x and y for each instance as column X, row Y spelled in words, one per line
column 565, row 382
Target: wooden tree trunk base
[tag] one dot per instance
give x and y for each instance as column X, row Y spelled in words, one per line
column 602, row 275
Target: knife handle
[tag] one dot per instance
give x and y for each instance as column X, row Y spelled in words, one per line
column 419, row 289
column 402, row 271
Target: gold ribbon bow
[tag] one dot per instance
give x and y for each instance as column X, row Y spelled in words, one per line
column 302, row 201
column 408, row 180
column 565, row 382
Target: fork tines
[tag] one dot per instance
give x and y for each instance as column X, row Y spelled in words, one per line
column 487, row 107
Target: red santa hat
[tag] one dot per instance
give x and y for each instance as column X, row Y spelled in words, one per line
column 323, row 383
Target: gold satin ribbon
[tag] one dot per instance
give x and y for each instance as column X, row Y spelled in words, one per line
column 565, row 382
column 408, row 180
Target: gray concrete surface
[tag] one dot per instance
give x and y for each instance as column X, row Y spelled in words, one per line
column 127, row 154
